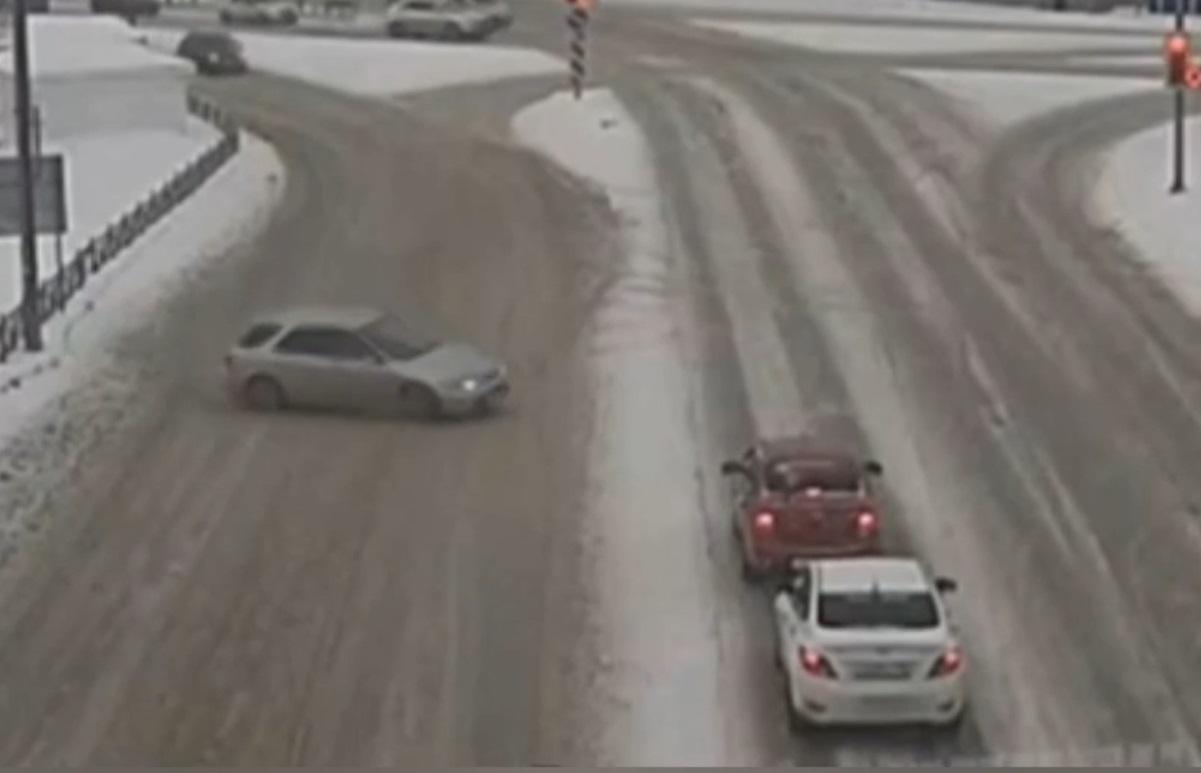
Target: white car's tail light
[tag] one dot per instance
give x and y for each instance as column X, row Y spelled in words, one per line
column 949, row 662
column 816, row 664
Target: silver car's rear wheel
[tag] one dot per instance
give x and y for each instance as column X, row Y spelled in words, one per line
column 419, row 401
column 264, row 393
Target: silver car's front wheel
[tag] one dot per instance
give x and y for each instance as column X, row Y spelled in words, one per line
column 419, row 401
column 264, row 393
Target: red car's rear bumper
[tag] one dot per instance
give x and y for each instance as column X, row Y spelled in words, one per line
column 771, row 558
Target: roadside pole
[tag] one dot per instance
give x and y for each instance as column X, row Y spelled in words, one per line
column 577, row 20
column 1178, row 126
column 31, row 318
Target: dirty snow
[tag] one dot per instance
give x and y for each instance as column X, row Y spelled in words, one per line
column 930, row 10
column 106, row 175
column 379, row 67
column 1132, row 196
column 884, row 40
column 1004, row 99
column 123, row 295
column 644, row 496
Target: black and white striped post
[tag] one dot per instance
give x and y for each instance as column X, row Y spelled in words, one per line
column 577, row 20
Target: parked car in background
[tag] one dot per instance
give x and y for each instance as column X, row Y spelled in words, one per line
column 127, row 9
column 439, row 20
column 353, row 358
column 259, row 12
column 213, row 52
column 499, row 12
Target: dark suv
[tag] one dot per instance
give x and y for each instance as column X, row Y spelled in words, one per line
column 213, row 52
column 127, row 9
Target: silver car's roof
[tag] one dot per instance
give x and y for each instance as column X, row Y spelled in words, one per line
column 349, row 317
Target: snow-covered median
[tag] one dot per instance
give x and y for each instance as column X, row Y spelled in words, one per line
column 106, row 176
column 644, row 498
column 379, row 67
column 1132, row 196
column 1003, row 99
column 885, row 39
column 123, row 295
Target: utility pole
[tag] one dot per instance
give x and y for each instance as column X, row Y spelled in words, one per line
column 1178, row 125
column 31, row 318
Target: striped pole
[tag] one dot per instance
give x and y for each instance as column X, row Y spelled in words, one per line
column 577, row 20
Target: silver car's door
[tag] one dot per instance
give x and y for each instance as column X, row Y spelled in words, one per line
column 329, row 367
column 420, row 17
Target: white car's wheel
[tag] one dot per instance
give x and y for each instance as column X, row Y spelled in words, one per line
column 419, row 401
column 264, row 393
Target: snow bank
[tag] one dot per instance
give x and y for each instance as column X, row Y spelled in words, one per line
column 644, row 494
column 1004, row 99
column 934, row 10
column 886, row 39
column 379, row 67
column 1132, row 196
column 123, row 295
column 106, row 175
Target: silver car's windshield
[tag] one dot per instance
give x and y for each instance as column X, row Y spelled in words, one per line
column 401, row 339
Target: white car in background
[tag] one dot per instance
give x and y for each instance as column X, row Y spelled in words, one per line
column 439, row 20
column 260, row 12
column 865, row 641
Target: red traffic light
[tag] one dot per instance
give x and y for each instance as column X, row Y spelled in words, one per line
column 1178, row 58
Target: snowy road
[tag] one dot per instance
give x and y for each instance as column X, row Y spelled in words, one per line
column 834, row 241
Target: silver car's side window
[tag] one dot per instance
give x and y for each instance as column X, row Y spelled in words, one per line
column 329, row 343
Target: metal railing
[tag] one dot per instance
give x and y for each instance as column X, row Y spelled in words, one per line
column 56, row 291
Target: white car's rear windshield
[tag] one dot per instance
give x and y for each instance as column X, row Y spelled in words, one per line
column 877, row 610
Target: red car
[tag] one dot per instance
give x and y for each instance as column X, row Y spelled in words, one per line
column 793, row 501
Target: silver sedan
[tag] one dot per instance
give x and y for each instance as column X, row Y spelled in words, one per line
column 360, row 359
column 439, row 19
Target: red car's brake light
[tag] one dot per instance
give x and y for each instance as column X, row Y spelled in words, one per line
column 764, row 522
column 816, row 664
column 948, row 663
column 866, row 524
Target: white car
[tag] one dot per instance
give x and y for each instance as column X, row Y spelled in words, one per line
column 866, row 641
column 439, row 19
column 266, row 12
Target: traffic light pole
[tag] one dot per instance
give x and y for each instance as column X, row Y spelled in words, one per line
column 1178, row 125
column 31, row 318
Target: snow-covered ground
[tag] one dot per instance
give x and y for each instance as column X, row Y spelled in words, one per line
column 886, row 39
column 644, row 496
column 1132, row 196
column 106, row 175
column 1003, row 99
column 379, row 67
column 124, row 294
column 933, row 10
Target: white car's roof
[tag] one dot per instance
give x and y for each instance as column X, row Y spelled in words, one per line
column 848, row 575
column 349, row 317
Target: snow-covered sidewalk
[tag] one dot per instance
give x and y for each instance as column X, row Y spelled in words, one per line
column 106, row 176
column 644, row 496
column 225, row 210
column 1132, row 196
column 378, row 67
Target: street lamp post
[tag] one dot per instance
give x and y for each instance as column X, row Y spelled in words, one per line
column 31, row 319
